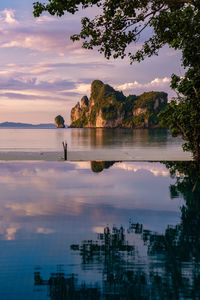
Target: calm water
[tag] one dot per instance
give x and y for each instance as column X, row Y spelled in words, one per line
column 85, row 139
column 99, row 230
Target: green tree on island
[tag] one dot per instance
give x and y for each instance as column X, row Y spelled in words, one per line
column 174, row 22
column 60, row 122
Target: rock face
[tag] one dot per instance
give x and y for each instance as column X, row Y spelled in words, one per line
column 75, row 112
column 59, row 122
column 109, row 108
column 84, row 102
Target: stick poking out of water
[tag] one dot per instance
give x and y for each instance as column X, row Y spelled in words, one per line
column 65, row 150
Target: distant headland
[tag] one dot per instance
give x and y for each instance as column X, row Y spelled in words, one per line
column 108, row 108
column 26, row 125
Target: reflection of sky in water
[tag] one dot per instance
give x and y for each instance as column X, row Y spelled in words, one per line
column 32, row 193
column 44, row 207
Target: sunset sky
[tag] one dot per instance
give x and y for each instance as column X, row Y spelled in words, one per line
column 43, row 73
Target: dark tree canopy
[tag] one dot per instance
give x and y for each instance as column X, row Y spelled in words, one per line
column 122, row 22
column 182, row 116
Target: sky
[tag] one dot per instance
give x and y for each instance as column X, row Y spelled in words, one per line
column 43, row 73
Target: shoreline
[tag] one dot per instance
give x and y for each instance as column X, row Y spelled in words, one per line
column 98, row 155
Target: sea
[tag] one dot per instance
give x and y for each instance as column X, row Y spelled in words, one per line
column 82, row 139
column 98, row 229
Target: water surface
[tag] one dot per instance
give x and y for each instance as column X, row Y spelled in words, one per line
column 80, row 139
column 99, row 231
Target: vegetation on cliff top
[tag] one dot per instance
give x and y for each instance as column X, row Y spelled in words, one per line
column 111, row 105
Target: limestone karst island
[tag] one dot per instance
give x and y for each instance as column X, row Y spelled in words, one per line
column 109, row 108
column 59, row 122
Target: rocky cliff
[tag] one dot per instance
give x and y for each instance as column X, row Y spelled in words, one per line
column 59, row 122
column 109, row 108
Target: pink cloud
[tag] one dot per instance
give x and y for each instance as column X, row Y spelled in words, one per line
column 156, row 82
column 34, row 35
column 8, row 16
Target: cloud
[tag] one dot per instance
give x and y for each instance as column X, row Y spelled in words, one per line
column 34, row 35
column 39, row 41
column 45, row 19
column 30, row 69
column 27, row 87
column 157, row 82
column 82, row 88
column 171, row 53
column 8, row 16
column 41, row 82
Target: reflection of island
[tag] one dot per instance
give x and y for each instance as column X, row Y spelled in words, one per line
column 99, row 166
column 138, row 263
column 118, row 137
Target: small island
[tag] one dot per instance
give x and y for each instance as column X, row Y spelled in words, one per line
column 108, row 108
column 59, row 122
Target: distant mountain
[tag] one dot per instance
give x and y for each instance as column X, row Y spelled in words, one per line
column 26, row 125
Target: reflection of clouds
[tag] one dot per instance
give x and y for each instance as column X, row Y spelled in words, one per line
column 156, row 170
column 13, row 183
column 83, row 165
column 10, row 233
column 98, row 229
column 32, row 194
column 44, row 230
column 8, row 229
column 46, row 207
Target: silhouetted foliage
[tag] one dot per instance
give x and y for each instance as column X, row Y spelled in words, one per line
column 62, row 287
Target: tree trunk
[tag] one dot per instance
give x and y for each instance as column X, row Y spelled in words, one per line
column 196, row 152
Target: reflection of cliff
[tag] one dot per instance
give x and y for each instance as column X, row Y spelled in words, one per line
column 99, row 166
column 101, row 137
